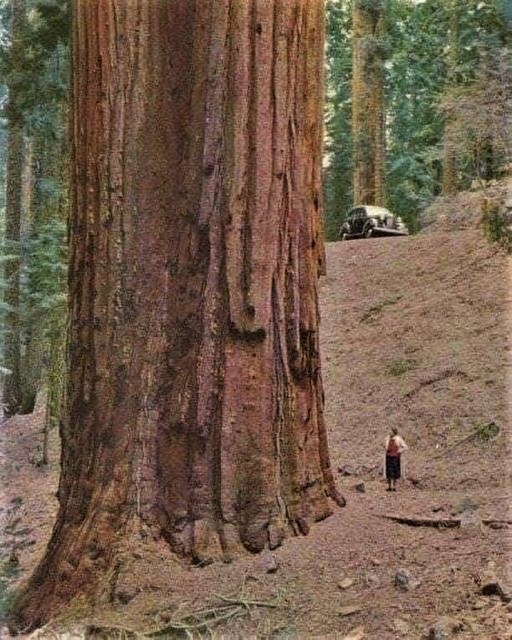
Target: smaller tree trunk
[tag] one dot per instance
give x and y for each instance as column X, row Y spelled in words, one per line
column 450, row 182
column 31, row 323
column 488, row 160
column 12, row 352
column 31, row 365
column 57, row 160
column 15, row 149
column 45, row 208
column 449, row 162
column 56, row 380
column 368, row 112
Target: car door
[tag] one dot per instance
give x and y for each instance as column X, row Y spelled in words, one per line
column 359, row 218
column 347, row 225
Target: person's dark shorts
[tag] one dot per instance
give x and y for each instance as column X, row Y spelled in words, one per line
column 392, row 467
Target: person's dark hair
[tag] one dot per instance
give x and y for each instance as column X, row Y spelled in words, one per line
column 394, row 431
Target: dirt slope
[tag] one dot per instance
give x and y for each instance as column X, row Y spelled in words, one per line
column 414, row 337
column 415, row 334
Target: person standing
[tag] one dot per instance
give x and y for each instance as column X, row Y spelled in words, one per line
column 395, row 446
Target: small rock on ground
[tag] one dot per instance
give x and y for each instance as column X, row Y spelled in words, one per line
column 349, row 609
column 445, row 628
column 346, row 470
column 345, row 583
column 403, row 579
column 267, row 563
column 372, row 579
column 401, row 626
column 492, row 585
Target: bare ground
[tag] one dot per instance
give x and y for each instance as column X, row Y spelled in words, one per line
column 415, row 335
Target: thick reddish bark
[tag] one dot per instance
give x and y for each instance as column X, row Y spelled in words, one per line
column 195, row 403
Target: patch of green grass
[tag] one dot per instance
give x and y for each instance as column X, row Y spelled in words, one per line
column 377, row 309
column 7, row 571
column 497, row 224
column 400, row 367
column 486, row 431
column 466, row 504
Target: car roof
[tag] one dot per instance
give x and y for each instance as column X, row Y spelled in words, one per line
column 376, row 211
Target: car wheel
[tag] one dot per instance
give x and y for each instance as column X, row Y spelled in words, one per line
column 343, row 236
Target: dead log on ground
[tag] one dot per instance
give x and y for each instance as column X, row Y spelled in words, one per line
column 441, row 523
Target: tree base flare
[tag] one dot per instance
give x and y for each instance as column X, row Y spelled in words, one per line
column 76, row 591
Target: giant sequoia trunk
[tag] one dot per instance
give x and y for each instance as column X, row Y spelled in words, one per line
column 368, row 110
column 12, row 393
column 195, row 403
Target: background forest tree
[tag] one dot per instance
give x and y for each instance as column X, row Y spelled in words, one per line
column 34, row 62
column 369, row 52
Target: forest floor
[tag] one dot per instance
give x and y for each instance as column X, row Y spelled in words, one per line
column 415, row 334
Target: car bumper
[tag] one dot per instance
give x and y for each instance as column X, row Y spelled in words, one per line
column 383, row 231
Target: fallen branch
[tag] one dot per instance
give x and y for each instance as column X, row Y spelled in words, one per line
column 231, row 607
column 448, row 373
column 177, row 625
column 441, row 523
column 412, row 521
column 198, row 624
column 245, row 603
column 491, row 521
column 454, row 446
column 477, row 434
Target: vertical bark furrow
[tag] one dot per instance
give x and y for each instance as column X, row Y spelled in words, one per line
column 236, row 127
column 204, row 510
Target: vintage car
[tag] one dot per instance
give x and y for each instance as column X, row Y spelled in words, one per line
column 366, row 221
